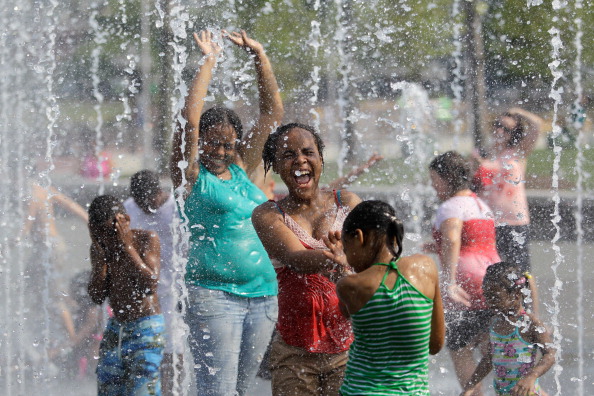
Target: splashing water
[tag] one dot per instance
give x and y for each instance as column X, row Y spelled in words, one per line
column 555, row 94
column 579, row 143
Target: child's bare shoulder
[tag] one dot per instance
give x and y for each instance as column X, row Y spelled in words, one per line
column 418, row 264
column 145, row 237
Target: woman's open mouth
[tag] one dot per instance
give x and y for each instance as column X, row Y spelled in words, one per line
column 302, row 177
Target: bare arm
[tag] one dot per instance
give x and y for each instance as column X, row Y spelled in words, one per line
column 99, row 283
column 482, row 370
column 451, row 230
column 270, row 102
column 347, row 292
column 345, row 181
column 437, row 337
column 143, row 267
column 541, row 336
column 533, row 128
column 67, row 319
column 282, row 244
column 185, row 148
column 69, row 204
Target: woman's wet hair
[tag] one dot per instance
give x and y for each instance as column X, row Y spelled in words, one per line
column 454, row 169
column 269, row 152
column 220, row 116
column 144, row 185
column 104, row 208
column 518, row 133
column 506, row 276
column 379, row 218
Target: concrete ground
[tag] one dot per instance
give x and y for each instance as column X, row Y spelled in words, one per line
column 564, row 381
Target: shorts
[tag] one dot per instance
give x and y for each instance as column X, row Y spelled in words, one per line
column 463, row 327
column 130, row 355
column 297, row 372
column 513, row 245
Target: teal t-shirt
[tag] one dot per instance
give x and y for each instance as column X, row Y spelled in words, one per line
column 225, row 251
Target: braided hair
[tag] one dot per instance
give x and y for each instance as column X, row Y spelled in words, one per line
column 269, row 151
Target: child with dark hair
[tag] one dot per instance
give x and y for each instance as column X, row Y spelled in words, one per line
column 152, row 208
column 125, row 269
column 464, row 235
column 515, row 336
column 394, row 303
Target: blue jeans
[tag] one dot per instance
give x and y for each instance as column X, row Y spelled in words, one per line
column 130, row 356
column 228, row 337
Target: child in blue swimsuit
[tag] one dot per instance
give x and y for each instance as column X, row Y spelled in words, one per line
column 515, row 336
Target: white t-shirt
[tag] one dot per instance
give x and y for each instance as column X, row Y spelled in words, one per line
column 464, row 208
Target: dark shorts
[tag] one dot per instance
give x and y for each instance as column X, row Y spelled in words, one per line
column 512, row 245
column 463, row 327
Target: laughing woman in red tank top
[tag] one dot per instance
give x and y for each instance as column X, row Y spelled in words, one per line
column 309, row 353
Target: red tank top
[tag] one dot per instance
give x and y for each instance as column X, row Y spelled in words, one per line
column 309, row 316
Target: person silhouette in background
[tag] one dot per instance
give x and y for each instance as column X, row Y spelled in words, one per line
column 152, row 208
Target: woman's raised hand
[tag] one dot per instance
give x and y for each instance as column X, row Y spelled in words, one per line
column 207, row 45
column 458, row 295
column 242, row 40
column 335, row 252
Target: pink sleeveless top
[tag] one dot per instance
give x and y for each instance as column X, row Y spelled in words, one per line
column 309, row 316
column 503, row 183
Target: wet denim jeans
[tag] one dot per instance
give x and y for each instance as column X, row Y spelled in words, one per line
column 228, row 337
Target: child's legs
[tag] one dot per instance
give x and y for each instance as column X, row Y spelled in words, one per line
column 257, row 331
column 143, row 346
column 215, row 319
column 464, row 365
column 465, row 330
column 110, row 367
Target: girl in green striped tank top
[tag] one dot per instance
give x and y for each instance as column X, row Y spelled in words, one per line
column 394, row 304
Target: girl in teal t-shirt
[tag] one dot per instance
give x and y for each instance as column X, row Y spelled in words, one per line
column 232, row 305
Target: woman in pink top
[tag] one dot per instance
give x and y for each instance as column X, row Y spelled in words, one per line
column 464, row 234
column 501, row 182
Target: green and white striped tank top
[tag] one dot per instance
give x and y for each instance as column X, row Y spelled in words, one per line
column 390, row 353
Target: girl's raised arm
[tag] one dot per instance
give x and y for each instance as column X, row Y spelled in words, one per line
column 185, row 148
column 271, row 105
column 533, row 128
